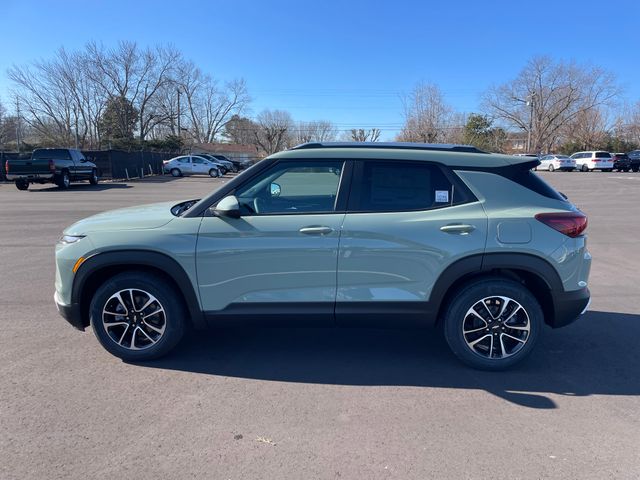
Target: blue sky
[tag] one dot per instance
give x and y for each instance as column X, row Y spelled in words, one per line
column 345, row 61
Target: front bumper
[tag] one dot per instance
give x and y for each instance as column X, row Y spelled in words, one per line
column 71, row 313
column 569, row 306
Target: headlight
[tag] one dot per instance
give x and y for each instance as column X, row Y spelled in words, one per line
column 69, row 239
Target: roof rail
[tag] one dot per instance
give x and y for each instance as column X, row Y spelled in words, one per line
column 442, row 147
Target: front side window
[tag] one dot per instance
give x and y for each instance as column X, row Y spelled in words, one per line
column 400, row 186
column 198, row 160
column 292, row 188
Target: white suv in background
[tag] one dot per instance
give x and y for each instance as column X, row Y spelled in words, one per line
column 593, row 160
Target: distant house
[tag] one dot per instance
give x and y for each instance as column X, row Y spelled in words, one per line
column 229, row 150
column 516, row 142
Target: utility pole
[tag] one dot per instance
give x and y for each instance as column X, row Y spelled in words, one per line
column 179, row 131
column 530, row 103
column 18, row 124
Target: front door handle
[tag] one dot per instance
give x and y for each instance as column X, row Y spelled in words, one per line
column 316, row 230
column 458, row 229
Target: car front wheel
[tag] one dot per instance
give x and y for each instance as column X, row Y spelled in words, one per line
column 493, row 324
column 214, row 173
column 136, row 316
column 93, row 179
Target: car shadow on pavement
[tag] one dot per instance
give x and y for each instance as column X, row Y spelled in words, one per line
column 82, row 187
column 597, row 355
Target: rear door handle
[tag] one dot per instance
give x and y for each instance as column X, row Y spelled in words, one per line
column 316, row 230
column 458, row 229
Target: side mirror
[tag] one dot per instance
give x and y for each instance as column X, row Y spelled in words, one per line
column 228, row 207
column 275, row 190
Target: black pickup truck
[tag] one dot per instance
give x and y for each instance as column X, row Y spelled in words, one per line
column 52, row 165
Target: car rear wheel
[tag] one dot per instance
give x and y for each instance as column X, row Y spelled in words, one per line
column 214, row 173
column 493, row 324
column 22, row 184
column 93, row 179
column 64, row 181
column 137, row 316
column 175, row 172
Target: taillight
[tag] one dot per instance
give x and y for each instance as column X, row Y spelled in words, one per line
column 52, row 166
column 6, row 166
column 570, row 224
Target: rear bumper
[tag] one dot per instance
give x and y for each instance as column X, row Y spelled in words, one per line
column 35, row 177
column 71, row 313
column 568, row 306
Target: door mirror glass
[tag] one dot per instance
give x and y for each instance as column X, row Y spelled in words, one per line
column 228, row 207
column 275, row 189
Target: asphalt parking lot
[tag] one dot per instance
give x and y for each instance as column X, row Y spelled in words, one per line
column 307, row 403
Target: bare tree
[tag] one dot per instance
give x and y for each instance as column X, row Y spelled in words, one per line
column 627, row 126
column 315, row 131
column 427, row 117
column 274, row 130
column 209, row 107
column 587, row 129
column 137, row 75
column 3, row 132
column 363, row 135
column 547, row 96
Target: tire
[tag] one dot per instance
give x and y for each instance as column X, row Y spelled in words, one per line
column 155, row 334
column 223, row 170
column 584, row 168
column 635, row 169
column 214, row 173
column 64, row 181
column 22, row 185
column 485, row 331
column 175, row 172
column 93, row 179
column 551, row 168
column 234, row 169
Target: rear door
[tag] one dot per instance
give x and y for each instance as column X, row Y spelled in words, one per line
column 406, row 223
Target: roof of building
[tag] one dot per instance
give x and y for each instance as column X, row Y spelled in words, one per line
column 225, row 148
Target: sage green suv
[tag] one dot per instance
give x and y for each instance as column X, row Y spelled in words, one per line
column 339, row 234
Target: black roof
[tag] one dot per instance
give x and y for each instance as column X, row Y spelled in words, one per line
column 442, row 147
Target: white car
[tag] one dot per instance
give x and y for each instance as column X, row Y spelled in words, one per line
column 557, row 162
column 593, row 160
column 191, row 165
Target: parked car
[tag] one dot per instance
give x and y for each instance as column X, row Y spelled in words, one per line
column 634, row 160
column 52, row 165
column 557, row 162
column 190, row 165
column 345, row 234
column 224, row 167
column 621, row 162
column 593, row 160
column 239, row 164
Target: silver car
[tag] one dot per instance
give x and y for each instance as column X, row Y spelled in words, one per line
column 191, row 165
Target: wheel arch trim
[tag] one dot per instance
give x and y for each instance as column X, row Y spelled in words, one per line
column 485, row 263
column 139, row 258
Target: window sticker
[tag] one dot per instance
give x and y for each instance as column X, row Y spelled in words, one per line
column 442, row 196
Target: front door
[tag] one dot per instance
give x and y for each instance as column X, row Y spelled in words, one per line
column 280, row 255
column 407, row 222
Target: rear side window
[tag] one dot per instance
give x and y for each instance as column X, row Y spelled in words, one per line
column 532, row 181
column 398, row 186
column 603, row 155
